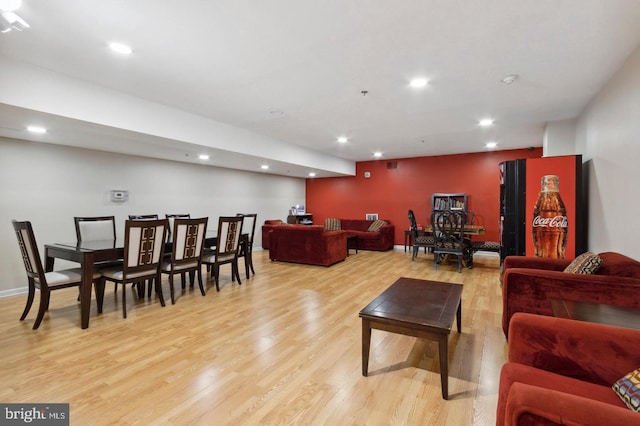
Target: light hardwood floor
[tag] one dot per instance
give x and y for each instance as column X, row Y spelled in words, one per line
column 282, row 348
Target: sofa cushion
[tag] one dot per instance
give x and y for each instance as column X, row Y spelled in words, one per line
column 586, row 263
column 376, row 225
column 332, row 224
column 628, row 389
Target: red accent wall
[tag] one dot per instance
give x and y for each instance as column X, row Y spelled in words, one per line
column 390, row 192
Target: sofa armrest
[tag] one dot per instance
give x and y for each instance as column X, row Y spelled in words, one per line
column 532, row 262
column 593, row 352
column 528, row 404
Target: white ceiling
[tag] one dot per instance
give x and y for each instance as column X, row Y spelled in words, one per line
column 291, row 72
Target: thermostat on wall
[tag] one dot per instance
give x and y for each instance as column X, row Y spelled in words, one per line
column 119, row 195
column 367, row 175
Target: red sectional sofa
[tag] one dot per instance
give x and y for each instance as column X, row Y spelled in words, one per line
column 309, row 244
column 377, row 240
column 268, row 226
column 529, row 282
column 560, row 372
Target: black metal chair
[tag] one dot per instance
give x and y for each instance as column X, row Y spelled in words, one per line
column 448, row 232
column 426, row 241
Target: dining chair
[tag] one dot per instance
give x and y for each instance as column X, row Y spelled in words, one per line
column 142, row 216
column 95, row 228
column 186, row 251
column 144, row 243
column 448, row 231
column 227, row 248
column 46, row 282
column 426, row 241
column 246, row 244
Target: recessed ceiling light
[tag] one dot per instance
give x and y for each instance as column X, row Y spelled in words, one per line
column 342, row 139
column 36, row 129
column 10, row 5
column 312, row 174
column 491, row 144
column 486, row 122
column 508, row 79
column 264, row 167
column 203, row 156
column 418, row 83
column 120, row 48
column 377, row 154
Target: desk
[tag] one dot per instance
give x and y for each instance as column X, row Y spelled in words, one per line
column 86, row 253
column 596, row 312
column 418, row 308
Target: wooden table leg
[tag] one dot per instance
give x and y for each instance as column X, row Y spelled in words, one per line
column 366, row 343
column 443, row 346
column 459, row 317
column 85, row 293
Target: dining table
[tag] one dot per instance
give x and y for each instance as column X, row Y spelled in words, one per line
column 87, row 253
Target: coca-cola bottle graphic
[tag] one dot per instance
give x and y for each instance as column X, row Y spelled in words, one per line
column 550, row 224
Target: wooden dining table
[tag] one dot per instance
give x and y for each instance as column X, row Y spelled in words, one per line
column 87, row 253
column 468, row 229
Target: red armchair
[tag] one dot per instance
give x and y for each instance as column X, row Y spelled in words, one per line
column 529, row 282
column 560, row 372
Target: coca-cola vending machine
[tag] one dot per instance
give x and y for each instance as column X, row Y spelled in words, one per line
column 542, row 209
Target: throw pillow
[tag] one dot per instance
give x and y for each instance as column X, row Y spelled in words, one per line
column 332, row 224
column 376, row 225
column 586, row 263
column 628, row 389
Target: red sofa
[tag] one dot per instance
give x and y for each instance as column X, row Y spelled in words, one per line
column 378, row 240
column 268, row 226
column 529, row 282
column 309, row 244
column 560, row 372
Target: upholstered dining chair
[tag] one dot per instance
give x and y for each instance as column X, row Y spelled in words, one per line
column 144, row 242
column 426, row 241
column 172, row 217
column 227, row 248
column 95, row 228
column 246, row 244
column 142, row 216
column 46, row 282
column 186, row 251
column 448, row 230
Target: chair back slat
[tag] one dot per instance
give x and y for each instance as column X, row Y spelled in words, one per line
column 144, row 244
column 229, row 231
column 95, row 228
column 173, row 217
column 29, row 250
column 188, row 240
column 249, row 224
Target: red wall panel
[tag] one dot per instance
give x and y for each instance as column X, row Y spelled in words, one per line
column 390, row 192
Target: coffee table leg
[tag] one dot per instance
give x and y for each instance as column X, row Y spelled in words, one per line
column 459, row 317
column 443, row 346
column 366, row 343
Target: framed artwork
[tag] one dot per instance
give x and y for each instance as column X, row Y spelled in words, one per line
column 371, row 216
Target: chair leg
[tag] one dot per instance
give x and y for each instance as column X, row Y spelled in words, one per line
column 173, row 299
column 246, row 266
column 32, row 292
column 199, row 272
column 215, row 271
column 414, row 253
column 44, row 307
column 250, row 257
column 124, row 301
column 235, row 270
column 158, row 281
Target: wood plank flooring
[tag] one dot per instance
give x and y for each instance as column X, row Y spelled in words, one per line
column 282, row 348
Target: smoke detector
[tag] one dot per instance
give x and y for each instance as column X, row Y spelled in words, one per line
column 509, row 78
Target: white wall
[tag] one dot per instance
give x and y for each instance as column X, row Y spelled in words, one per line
column 608, row 136
column 559, row 138
column 50, row 184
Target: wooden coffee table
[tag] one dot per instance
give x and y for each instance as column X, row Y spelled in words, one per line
column 418, row 308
